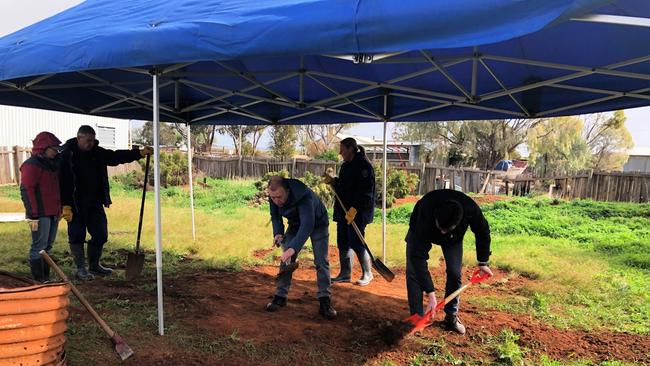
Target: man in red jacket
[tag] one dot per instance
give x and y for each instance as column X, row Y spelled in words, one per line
column 39, row 189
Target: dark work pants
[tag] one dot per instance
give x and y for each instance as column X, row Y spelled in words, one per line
column 91, row 219
column 347, row 238
column 453, row 254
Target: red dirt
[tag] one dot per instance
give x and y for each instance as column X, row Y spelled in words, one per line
column 407, row 199
column 480, row 199
column 228, row 308
column 489, row 198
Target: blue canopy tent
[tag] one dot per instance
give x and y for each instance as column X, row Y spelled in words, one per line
column 301, row 62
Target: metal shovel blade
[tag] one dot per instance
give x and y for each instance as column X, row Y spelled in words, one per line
column 384, row 271
column 134, row 265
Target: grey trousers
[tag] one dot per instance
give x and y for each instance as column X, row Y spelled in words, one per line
column 319, row 242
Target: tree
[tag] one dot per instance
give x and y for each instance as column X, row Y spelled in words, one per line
column 320, row 138
column 466, row 143
column 557, row 147
column 169, row 135
column 283, row 141
column 608, row 139
column 239, row 134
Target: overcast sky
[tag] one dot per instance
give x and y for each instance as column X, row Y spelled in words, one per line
column 16, row 14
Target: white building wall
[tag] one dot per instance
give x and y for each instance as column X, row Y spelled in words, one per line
column 19, row 126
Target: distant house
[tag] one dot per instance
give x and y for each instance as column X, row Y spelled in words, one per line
column 20, row 125
column 638, row 160
column 398, row 152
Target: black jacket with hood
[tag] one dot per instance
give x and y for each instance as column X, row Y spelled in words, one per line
column 84, row 174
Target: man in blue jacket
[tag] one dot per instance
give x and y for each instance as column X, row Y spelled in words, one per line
column 307, row 218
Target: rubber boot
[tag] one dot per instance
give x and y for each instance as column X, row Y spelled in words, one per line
column 326, row 309
column 277, row 303
column 453, row 324
column 94, row 254
column 346, row 258
column 46, row 271
column 79, row 256
column 366, row 265
column 37, row 269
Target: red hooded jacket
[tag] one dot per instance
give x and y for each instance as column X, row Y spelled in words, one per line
column 39, row 180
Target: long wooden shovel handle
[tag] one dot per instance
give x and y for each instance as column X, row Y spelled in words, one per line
column 78, row 294
column 354, row 224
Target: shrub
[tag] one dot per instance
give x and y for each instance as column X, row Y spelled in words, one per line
column 400, row 184
column 329, row 155
column 129, row 181
column 173, row 169
column 322, row 190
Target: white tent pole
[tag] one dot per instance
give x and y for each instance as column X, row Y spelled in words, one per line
column 189, row 170
column 156, row 175
column 383, row 198
column 384, row 167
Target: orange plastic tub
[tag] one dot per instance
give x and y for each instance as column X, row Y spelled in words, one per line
column 32, row 322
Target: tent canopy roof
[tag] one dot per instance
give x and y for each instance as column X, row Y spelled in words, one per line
column 298, row 62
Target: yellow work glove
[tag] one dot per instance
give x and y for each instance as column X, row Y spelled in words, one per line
column 350, row 215
column 67, row 213
column 33, row 224
column 147, row 150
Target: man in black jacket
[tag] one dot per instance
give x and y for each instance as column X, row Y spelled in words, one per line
column 84, row 194
column 442, row 217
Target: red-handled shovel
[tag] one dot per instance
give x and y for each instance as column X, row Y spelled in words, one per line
column 421, row 322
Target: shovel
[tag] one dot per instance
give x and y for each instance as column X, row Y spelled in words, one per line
column 289, row 268
column 420, row 322
column 377, row 264
column 122, row 349
column 135, row 261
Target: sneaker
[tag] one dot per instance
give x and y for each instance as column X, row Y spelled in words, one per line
column 452, row 323
column 277, row 303
column 326, row 309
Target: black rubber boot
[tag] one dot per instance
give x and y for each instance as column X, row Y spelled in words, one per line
column 77, row 251
column 37, row 268
column 453, row 324
column 345, row 258
column 326, row 309
column 277, row 303
column 46, row 271
column 94, row 254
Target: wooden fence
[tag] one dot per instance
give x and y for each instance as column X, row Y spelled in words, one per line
column 12, row 157
column 601, row 186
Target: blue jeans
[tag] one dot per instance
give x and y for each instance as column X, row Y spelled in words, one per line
column 453, row 254
column 319, row 242
column 43, row 238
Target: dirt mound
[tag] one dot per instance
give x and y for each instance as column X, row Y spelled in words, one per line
column 489, row 198
column 224, row 313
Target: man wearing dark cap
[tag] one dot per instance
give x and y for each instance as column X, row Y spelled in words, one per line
column 442, row 217
column 39, row 190
column 85, row 193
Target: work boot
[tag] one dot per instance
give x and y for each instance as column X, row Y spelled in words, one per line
column 46, row 271
column 366, row 265
column 37, row 268
column 345, row 257
column 79, row 256
column 326, row 309
column 452, row 323
column 277, row 303
column 94, row 254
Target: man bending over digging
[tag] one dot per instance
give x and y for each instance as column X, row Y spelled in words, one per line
column 442, row 217
column 307, row 218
